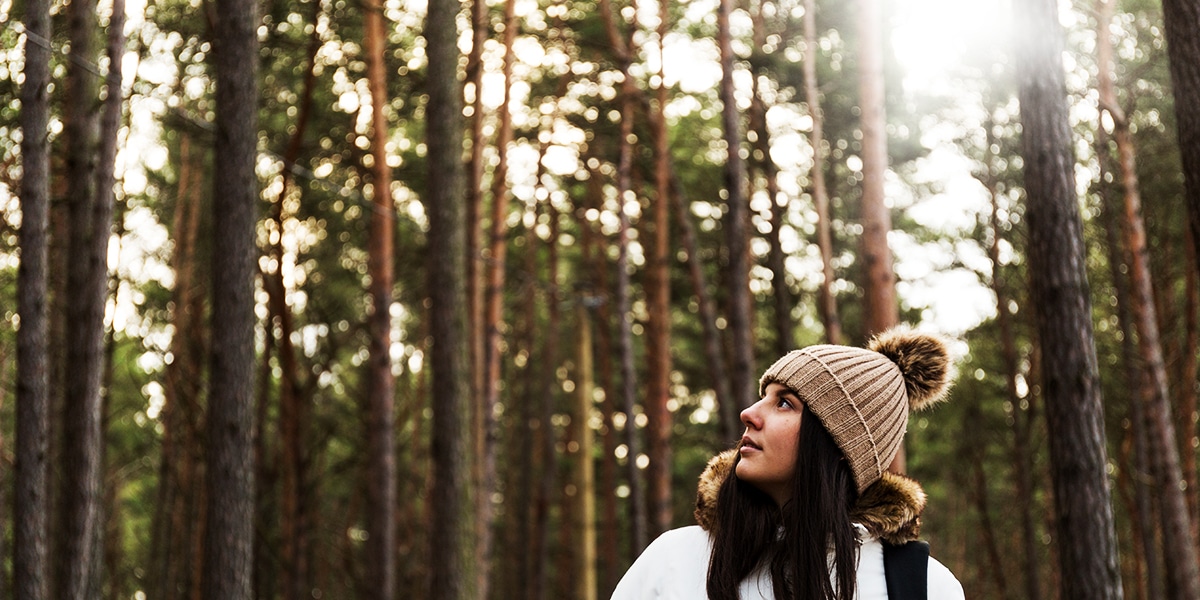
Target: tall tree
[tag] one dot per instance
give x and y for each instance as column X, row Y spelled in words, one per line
column 1181, row 20
column 493, row 318
column 451, row 534
column 33, row 400
column 642, row 520
column 1022, row 417
column 79, row 497
column 1179, row 552
column 1084, row 518
column 826, row 302
column 737, row 222
column 229, row 533
column 658, row 300
column 879, row 281
column 381, row 409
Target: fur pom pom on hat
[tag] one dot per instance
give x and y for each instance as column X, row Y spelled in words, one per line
column 863, row 395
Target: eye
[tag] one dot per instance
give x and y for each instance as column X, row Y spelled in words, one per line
column 785, row 402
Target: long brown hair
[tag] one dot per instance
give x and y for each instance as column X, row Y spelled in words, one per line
column 751, row 532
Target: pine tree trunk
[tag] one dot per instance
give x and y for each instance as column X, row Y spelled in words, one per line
column 1186, row 415
column 1083, row 510
column 381, row 418
column 80, row 494
column 1181, row 20
column 826, row 302
column 480, row 27
column 493, row 320
column 585, row 478
column 737, row 223
column 658, row 298
column 714, row 359
column 1022, row 419
column 539, row 547
column 31, row 500
column 228, row 536
column 642, row 518
column 879, row 289
column 451, row 532
column 1179, row 551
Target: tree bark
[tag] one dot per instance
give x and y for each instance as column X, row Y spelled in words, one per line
column 642, row 518
column 826, row 302
column 493, row 320
column 658, row 299
column 1179, row 551
column 781, row 296
column 381, row 408
column 1022, row 416
column 480, row 27
column 585, row 477
column 228, row 541
column 86, row 275
column 1181, row 20
column 1083, row 510
column 451, row 534
column 31, row 500
column 879, row 287
column 737, row 223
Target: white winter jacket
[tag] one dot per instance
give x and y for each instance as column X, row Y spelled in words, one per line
column 675, row 566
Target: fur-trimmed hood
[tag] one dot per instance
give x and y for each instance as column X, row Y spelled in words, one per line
column 890, row 509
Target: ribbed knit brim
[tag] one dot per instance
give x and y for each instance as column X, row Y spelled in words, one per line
column 859, row 397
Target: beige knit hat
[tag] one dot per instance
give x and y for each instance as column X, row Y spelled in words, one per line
column 862, row 396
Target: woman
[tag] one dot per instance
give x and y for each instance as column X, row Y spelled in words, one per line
column 803, row 506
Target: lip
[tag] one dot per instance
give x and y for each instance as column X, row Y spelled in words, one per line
column 748, row 445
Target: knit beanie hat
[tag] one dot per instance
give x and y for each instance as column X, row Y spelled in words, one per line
column 862, row 396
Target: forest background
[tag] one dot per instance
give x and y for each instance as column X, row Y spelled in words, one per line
column 651, row 202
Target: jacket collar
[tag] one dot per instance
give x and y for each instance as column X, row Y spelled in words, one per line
column 890, row 509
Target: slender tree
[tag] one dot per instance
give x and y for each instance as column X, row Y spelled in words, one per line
column 1022, row 416
column 1181, row 20
column 658, row 300
column 381, row 409
column 493, row 319
column 641, row 519
column 826, row 302
column 737, row 222
column 451, row 532
column 1179, row 551
column 32, row 429
column 228, row 536
column 879, row 282
column 1083, row 515
column 86, row 275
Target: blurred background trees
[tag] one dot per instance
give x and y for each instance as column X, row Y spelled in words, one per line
column 455, row 300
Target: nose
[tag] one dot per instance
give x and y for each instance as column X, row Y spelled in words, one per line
column 751, row 417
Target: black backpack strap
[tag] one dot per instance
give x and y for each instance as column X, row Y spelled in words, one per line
column 906, row 569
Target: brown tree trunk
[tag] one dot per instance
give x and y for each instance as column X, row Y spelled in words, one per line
column 381, row 409
column 879, row 289
column 31, row 500
column 737, row 223
column 1022, row 415
column 658, row 298
column 713, row 357
column 228, row 542
column 1083, row 510
column 641, row 517
column 781, row 296
column 539, row 545
column 493, row 321
column 1181, row 18
column 451, row 531
column 1186, row 415
column 480, row 26
column 585, row 482
column 86, row 273
column 1179, row 551
column 826, row 302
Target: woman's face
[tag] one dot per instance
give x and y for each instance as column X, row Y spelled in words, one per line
column 768, row 448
